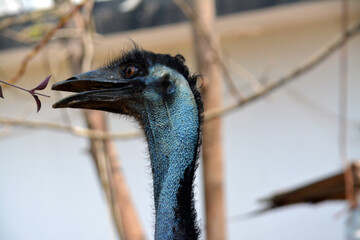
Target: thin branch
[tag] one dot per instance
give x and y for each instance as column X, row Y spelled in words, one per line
column 104, row 152
column 74, row 130
column 100, row 155
column 17, row 36
column 254, row 83
column 342, row 137
column 63, row 20
column 7, row 22
column 23, row 89
column 118, row 197
column 7, row 129
column 54, row 67
column 200, row 28
column 305, row 66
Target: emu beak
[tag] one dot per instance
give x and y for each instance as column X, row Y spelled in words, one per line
column 97, row 89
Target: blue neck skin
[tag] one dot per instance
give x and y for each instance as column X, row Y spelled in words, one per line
column 172, row 131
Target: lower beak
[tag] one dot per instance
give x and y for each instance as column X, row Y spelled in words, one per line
column 97, row 89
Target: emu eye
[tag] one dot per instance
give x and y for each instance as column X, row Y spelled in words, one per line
column 130, row 71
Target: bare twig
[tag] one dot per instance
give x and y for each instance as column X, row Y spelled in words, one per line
column 74, row 130
column 342, row 140
column 27, row 17
column 7, row 22
column 100, row 155
column 254, row 83
column 207, row 56
column 112, row 177
column 63, row 20
column 54, row 67
column 17, row 36
column 24, row 89
column 120, row 203
column 199, row 27
column 7, row 129
column 96, row 120
column 305, row 66
column 317, row 108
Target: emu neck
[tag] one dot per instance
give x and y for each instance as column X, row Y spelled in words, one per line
column 172, row 132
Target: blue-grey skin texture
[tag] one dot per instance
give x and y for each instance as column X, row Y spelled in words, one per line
column 171, row 126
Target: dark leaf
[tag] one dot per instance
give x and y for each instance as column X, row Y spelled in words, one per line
column 38, row 103
column 1, row 93
column 42, row 85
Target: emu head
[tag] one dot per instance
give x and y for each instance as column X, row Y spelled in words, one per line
column 125, row 84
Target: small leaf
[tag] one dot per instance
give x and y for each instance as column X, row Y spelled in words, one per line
column 38, row 103
column 42, row 85
column 1, row 93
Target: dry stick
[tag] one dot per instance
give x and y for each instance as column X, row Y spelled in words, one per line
column 122, row 208
column 97, row 147
column 97, row 121
column 254, row 83
column 342, row 137
column 63, row 20
column 52, row 67
column 212, row 146
column 7, row 129
column 308, row 64
column 199, row 27
column 18, row 36
column 99, row 152
column 74, row 130
column 122, row 200
column 7, row 22
column 94, row 120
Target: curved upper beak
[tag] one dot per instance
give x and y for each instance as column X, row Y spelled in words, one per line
column 97, row 89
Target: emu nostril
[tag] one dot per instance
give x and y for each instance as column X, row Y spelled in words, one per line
column 72, row 78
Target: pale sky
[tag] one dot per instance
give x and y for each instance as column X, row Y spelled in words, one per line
column 14, row 6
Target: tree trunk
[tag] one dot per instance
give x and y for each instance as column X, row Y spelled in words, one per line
column 205, row 41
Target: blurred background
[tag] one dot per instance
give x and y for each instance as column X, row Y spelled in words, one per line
column 304, row 130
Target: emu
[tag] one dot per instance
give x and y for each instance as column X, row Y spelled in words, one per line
column 160, row 93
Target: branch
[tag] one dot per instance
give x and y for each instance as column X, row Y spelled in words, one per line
column 33, row 91
column 7, row 22
column 343, row 95
column 74, row 130
column 316, row 58
column 200, row 28
column 104, row 152
column 63, row 20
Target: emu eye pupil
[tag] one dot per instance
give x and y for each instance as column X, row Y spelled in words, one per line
column 130, row 71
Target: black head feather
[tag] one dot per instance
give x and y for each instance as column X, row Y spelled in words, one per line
column 144, row 59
